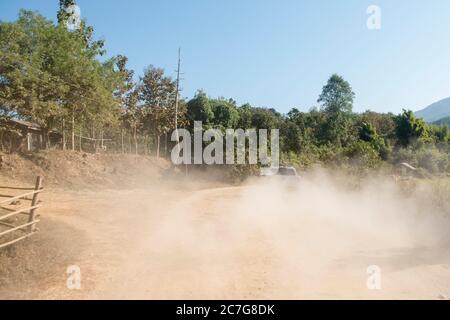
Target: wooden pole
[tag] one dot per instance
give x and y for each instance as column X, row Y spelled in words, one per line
column 93, row 137
column 165, row 144
column 157, row 146
column 135, row 139
column 28, row 141
column 13, row 198
column 123, row 149
column 73, row 130
column 81, row 134
column 3, row 245
column 34, row 202
column 63, row 129
column 176, row 104
column 177, row 91
column 146, row 148
column 21, row 227
column 129, row 144
column 41, row 141
column 14, row 213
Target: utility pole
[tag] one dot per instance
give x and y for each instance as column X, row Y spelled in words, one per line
column 177, row 92
column 176, row 105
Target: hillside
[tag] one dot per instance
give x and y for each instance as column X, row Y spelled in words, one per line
column 442, row 121
column 435, row 111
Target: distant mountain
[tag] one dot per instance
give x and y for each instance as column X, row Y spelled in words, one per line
column 435, row 111
column 442, row 121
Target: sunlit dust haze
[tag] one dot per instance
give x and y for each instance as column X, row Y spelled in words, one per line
column 274, row 238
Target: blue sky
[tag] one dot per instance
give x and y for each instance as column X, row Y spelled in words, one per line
column 279, row 53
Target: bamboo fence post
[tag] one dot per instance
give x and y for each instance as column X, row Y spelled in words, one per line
column 37, row 187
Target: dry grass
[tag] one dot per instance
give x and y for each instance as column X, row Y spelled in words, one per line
column 31, row 266
column 434, row 193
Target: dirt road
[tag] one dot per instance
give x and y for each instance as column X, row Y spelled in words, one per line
column 249, row 242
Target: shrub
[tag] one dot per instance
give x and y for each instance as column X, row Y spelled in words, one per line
column 427, row 157
column 362, row 155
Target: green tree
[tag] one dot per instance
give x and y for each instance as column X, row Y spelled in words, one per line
column 264, row 118
column 409, row 128
column 337, row 95
column 383, row 123
column 225, row 113
column 49, row 73
column 337, row 103
column 63, row 15
column 157, row 93
column 440, row 133
column 31, row 87
column 291, row 138
column 245, row 116
column 362, row 155
column 368, row 133
column 199, row 109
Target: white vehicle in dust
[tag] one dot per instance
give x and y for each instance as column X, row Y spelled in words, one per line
column 287, row 176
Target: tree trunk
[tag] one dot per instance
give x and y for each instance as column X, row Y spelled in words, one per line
column 165, row 144
column 73, row 130
column 146, row 143
column 129, row 144
column 102, row 142
column 148, row 150
column 45, row 139
column 93, row 137
column 81, row 133
column 1, row 140
column 123, row 148
column 157, row 146
column 135, row 140
column 63, row 129
column 11, row 143
column 28, row 141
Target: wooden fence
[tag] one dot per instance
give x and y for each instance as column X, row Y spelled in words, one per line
column 18, row 221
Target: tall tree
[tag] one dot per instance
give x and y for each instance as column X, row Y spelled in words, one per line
column 225, row 113
column 337, row 95
column 64, row 14
column 199, row 109
column 49, row 73
column 368, row 133
column 337, row 102
column 409, row 128
column 382, row 122
column 157, row 93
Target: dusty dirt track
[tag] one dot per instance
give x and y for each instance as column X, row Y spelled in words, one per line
column 165, row 242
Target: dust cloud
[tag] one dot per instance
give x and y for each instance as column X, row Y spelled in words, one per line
column 193, row 237
column 283, row 238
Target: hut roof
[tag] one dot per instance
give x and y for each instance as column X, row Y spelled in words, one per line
column 407, row 165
